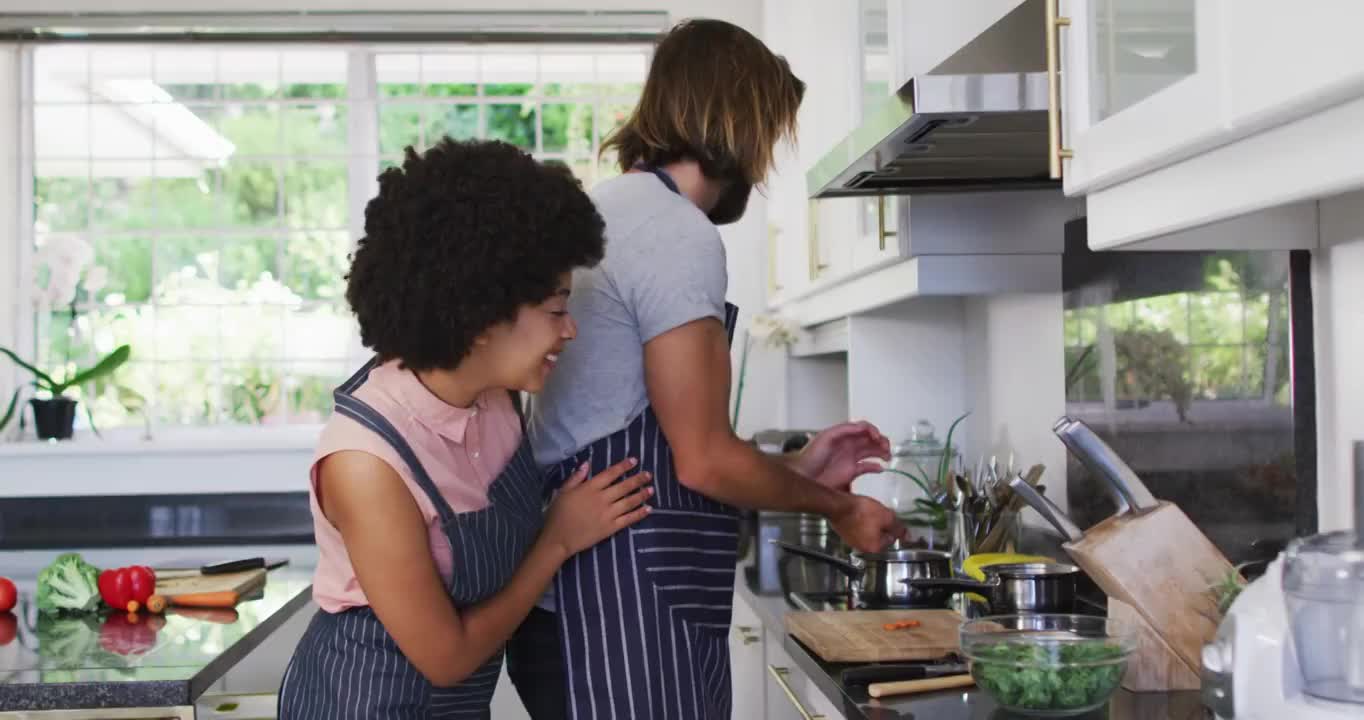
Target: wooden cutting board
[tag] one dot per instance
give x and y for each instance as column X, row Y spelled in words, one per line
column 239, row 582
column 860, row 635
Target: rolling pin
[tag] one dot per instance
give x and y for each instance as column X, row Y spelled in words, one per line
column 905, row 687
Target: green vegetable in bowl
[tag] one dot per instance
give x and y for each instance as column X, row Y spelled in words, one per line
column 1066, row 676
column 69, row 584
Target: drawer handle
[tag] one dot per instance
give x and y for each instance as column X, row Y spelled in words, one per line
column 1055, row 21
column 779, row 674
column 881, row 221
column 746, row 634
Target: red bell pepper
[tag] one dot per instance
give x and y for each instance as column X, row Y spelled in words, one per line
column 127, row 588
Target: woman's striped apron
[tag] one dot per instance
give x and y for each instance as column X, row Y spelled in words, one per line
column 347, row 665
column 644, row 616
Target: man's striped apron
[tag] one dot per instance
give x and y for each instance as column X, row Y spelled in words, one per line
column 644, row 616
column 347, row 665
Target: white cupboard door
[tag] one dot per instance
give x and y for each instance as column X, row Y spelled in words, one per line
column 878, row 217
column 1142, row 85
column 1286, row 61
column 748, row 667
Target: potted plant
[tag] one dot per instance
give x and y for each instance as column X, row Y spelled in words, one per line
column 62, row 276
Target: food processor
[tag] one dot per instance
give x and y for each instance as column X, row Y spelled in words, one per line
column 1292, row 643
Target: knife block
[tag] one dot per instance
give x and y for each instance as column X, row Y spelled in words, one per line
column 1159, row 568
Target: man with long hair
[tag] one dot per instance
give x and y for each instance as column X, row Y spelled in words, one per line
column 641, row 621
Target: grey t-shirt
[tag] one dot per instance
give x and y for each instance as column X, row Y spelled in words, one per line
column 664, row 267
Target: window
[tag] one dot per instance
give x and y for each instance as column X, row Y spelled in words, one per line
column 222, row 189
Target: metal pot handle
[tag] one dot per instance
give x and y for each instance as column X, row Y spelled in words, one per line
column 851, row 569
column 958, row 584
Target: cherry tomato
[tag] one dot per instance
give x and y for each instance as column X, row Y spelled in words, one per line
column 7, row 594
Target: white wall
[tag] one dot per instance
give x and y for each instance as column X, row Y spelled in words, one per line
column 9, row 214
column 1015, row 355
column 1338, row 300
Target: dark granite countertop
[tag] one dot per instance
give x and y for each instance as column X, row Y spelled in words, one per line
column 106, row 661
column 971, row 704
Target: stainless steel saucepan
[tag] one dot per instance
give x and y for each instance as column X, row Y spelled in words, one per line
column 1017, row 588
column 878, row 578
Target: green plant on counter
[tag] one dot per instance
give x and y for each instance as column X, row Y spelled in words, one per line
column 929, row 512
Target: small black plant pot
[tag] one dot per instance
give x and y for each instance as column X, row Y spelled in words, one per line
column 54, row 418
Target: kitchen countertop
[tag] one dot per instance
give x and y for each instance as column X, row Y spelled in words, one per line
column 105, row 661
column 970, row 704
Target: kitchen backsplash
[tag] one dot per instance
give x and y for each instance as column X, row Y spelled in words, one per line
column 1181, row 362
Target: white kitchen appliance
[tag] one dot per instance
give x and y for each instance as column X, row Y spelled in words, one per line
column 1292, row 644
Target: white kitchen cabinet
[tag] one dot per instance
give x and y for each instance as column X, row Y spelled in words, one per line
column 1142, row 85
column 747, row 661
column 1149, row 82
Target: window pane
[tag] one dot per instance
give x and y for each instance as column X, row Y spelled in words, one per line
column 1215, row 318
column 188, row 133
column 116, row 70
column 62, row 131
column 446, row 75
column 318, row 332
column 513, row 124
column 309, row 387
column 122, row 131
column 247, row 261
column 1217, row 372
column 561, row 72
column 460, row 122
column 187, row 268
column 613, row 116
column 187, row 73
column 122, row 195
column 399, row 127
column 399, row 75
column 187, row 393
column 60, row 201
column 315, row 194
column 315, row 130
column 195, row 201
column 252, row 129
column 61, row 74
column 251, row 193
column 254, row 332
column 313, row 73
column 1164, row 312
column 128, row 258
column 252, row 394
column 316, row 264
column 187, row 332
column 249, row 74
column 567, row 128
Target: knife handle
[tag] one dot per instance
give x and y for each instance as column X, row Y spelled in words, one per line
column 879, row 690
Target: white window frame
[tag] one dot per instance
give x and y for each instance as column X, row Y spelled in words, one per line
column 362, row 171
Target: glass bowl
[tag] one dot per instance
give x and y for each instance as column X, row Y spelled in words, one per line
column 1048, row 665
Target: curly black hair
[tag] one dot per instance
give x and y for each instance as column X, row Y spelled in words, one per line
column 457, row 240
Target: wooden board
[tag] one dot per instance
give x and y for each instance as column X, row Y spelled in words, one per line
column 238, row 582
column 860, row 635
column 1154, row 666
column 1163, row 566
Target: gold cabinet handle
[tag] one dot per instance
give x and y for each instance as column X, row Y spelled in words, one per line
column 881, row 232
column 1056, row 153
column 747, row 635
column 773, row 278
column 813, row 246
column 779, row 674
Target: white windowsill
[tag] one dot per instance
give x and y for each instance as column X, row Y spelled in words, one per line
column 173, row 441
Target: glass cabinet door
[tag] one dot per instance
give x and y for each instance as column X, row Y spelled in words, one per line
column 1141, row 85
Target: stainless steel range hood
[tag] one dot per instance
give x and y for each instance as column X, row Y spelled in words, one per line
column 976, row 122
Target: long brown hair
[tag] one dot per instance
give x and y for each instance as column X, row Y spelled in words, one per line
column 714, row 94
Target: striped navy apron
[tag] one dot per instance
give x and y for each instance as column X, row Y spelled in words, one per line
column 347, row 665
column 644, row 616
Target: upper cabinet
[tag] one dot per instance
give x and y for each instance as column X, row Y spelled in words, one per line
column 1179, row 113
column 1141, row 85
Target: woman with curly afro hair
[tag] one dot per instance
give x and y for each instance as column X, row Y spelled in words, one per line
column 428, row 508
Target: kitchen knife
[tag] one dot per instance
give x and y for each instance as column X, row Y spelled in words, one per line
column 892, row 672
column 1046, row 508
column 1095, row 454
